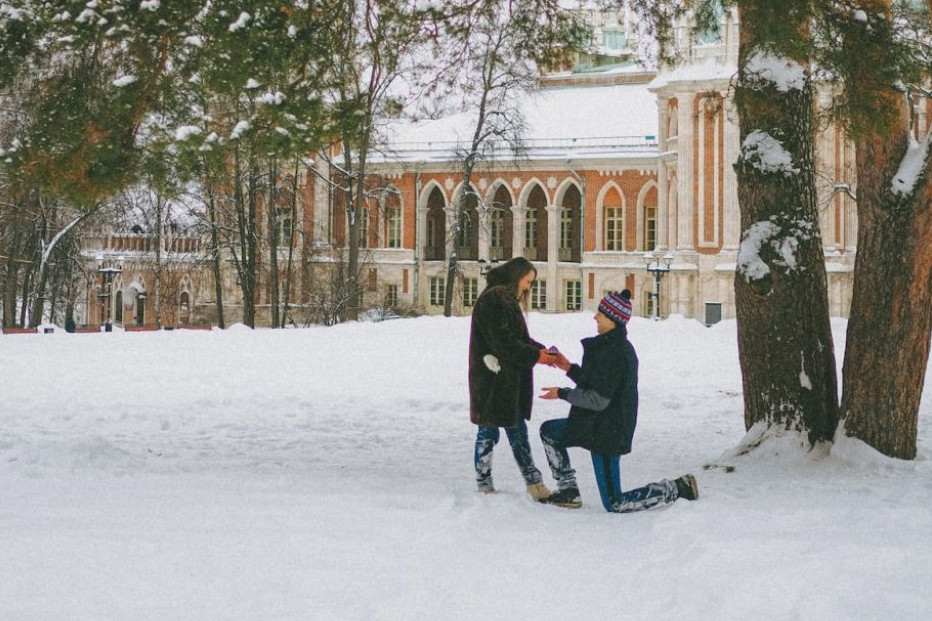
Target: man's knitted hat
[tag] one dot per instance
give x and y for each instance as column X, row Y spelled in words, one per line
column 616, row 308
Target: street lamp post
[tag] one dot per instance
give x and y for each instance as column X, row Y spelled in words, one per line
column 658, row 265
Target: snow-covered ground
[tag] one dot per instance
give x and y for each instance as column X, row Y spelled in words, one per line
column 327, row 474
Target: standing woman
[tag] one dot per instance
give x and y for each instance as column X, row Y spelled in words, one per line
column 502, row 356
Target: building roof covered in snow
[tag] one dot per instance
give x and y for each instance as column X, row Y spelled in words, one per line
column 705, row 71
column 567, row 122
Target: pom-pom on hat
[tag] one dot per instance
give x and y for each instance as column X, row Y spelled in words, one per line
column 616, row 308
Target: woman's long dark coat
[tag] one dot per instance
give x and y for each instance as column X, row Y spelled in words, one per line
column 499, row 337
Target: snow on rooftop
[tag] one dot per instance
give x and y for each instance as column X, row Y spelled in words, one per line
column 593, row 111
column 709, row 68
column 578, row 121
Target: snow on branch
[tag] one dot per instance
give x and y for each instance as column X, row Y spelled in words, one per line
column 911, row 167
column 124, row 80
column 240, row 128
column 784, row 74
column 240, row 22
column 782, row 241
column 750, row 263
column 767, row 154
column 47, row 248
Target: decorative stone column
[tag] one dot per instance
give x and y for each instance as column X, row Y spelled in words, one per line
column 686, row 153
column 420, row 241
column 320, row 229
column 518, row 218
column 732, row 212
column 663, row 207
column 484, row 233
column 449, row 211
column 553, row 254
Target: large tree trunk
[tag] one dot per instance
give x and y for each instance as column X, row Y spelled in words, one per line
column 784, row 333
column 890, row 323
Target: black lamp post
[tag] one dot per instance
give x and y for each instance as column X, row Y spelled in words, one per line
column 658, row 265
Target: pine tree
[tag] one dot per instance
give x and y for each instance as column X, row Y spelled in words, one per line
column 82, row 77
column 784, row 335
column 883, row 62
column 252, row 76
column 876, row 51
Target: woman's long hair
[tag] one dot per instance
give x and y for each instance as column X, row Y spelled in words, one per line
column 509, row 275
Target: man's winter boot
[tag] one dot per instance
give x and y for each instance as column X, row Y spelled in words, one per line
column 568, row 498
column 538, row 491
column 686, row 487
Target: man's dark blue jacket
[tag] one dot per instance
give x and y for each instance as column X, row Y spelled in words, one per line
column 604, row 403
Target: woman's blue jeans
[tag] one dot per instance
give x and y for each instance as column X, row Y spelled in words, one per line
column 487, row 438
column 607, row 475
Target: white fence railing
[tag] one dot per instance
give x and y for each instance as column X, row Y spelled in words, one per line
column 531, row 148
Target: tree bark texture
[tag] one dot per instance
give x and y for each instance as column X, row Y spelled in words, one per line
column 251, row 255
column 289, row 264
column 38, row 307
column 889, row 327
column 272, row 223
column 355, row 203
column 217, row 254
column 459, row 203
column 244, row 196
column 11, row 276
column 784, row 333
column 159, row 240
